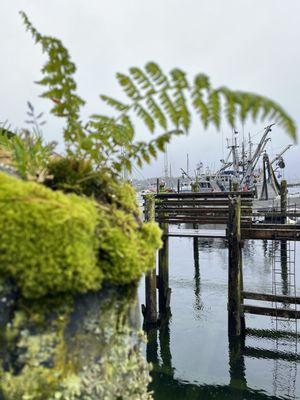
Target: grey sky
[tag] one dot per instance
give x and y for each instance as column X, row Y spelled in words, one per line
column 244, row 44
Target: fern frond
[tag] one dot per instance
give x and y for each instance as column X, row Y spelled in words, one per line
column 145, row 117
column 117, row 105
column 169, row 107
column 200, row 106
column 184, row 116
column 128, row 86
column 214, row 107
column 156, row 112
column 179, row 79
column 201, row 81
column 230, row 105
column 141, row 78
column 155, row 72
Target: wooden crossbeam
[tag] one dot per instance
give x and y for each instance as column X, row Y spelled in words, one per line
column 271, row 234
column 271, row 297
column 270, row 311
column 204, row 195
column 278, row 227
column 199, row 203
column 198, row 210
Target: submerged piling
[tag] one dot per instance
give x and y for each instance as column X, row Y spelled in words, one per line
column 235, row 315
column 164, row 292
column 150, row 309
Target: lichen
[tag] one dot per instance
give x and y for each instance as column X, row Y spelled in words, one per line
column 85, row 350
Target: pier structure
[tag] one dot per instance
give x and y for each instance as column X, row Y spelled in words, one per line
column 232, row 215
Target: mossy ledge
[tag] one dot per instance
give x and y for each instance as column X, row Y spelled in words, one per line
column 53, row 243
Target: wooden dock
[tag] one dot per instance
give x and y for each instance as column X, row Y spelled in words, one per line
column 232, row 213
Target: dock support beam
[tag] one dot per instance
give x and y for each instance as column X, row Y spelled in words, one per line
column 235, row 314
column 150, row 309
column 164, row 292
column 283, row 201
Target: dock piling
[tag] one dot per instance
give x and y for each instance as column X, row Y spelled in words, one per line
column 150, row 310
column 235, row 325
column 164, row 291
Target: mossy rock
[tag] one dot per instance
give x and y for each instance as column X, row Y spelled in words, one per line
column 48, row 241
column 126, row 247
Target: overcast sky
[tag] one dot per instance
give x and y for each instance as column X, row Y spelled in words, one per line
column 243, row 44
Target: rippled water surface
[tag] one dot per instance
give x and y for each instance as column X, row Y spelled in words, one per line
column 191, row 353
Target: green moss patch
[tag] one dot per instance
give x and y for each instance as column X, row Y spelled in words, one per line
column 48, row 243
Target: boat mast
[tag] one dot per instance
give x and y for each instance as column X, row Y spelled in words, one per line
column 258, row 152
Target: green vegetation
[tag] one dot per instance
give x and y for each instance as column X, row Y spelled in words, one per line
column 162, row 101
column 85, row 228
column 56, row 243
column 48, row 240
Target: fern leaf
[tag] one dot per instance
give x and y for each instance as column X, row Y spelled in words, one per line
column 201, row 81
column 156, row 112
column 126, row 121
column 230, row 105
column 169, row 107
column 141, row 78
column 117, row 105
column 214, row 107
column 155, row 72
column 128, row 86
column 184, row 116
column 145, row 117
column 200, row 107
column 179, row 78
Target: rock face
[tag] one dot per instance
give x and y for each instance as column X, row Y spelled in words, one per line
column 73, row 349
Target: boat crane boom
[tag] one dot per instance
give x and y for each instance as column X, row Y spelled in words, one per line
column 281, row 153
column 258, row 151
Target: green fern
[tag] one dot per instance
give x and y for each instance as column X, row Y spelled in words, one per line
column 158, row 99
column 175, row 97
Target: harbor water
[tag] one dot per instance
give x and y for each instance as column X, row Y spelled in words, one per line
column 191, row 353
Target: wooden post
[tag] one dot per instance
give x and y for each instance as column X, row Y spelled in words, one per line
column 235, row 186
column 150, row 310
column 157, row 185
column 234, row 268
column 283, row 201
column 178, row 186
column 164, row 292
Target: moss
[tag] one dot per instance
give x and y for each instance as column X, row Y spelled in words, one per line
column 126, row 249
column 78, row 176
column 55, row 243
column 48, row 241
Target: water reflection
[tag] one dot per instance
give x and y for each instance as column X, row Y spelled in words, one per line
column 261, row 365
column 166, row 385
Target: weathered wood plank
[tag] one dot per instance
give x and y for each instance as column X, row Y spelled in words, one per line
column 199, row 210
column 205, row 195
column 198, row 202
column 271, row 234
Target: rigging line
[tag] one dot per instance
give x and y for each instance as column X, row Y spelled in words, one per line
column 139, row 172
